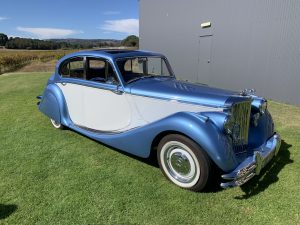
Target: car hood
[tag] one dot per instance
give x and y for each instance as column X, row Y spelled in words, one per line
column 172, row 89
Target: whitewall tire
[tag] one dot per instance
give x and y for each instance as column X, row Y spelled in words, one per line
column 183, row 162
column 57, row 125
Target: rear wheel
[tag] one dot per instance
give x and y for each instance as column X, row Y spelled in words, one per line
column 57, row 125
column 184, row 162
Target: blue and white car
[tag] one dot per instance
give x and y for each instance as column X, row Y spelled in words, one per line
column 132, row 101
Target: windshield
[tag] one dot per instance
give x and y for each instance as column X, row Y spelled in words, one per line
column 136, row 68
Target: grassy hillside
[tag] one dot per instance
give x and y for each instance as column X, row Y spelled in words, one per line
column 61, row 177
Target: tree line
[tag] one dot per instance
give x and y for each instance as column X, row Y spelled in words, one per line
column 36, row 44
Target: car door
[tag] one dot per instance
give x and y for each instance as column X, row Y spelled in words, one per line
column 97, row 102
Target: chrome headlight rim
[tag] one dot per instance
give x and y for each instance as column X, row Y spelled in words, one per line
column 263, row 106
column 231, row 128
column 228, row 124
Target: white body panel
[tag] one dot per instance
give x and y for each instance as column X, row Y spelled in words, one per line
column 151, row 109
column 96, row 108
column 103, row 110
column 74, row 99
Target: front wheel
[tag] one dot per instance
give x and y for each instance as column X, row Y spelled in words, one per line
column 184, row 162
column 57, row 125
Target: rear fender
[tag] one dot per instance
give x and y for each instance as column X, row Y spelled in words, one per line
column 54, row 106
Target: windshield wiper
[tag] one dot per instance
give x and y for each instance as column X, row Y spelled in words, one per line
column 139, row 78
column 164, row 76
column 134, row 79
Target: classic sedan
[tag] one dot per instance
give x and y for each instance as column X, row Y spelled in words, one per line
column 132, row 101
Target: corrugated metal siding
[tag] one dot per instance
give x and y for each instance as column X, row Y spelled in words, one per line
column 255, row 44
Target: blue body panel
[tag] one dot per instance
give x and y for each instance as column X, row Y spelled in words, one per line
column 139, row 141
column 54, row 106
column 262, row 132
column 204, row 128
column 182, row 91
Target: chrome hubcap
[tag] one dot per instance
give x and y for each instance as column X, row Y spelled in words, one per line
column 179, row 163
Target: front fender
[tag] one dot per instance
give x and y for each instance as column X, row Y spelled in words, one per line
column 54, row 106
column 262, row 132
column 208, row 135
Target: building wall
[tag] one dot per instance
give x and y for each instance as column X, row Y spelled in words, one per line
column 250, row 44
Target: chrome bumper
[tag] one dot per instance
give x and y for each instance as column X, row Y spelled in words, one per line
column 252, row 165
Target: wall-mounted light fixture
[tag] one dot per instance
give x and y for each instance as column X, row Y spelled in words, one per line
column 206, row 25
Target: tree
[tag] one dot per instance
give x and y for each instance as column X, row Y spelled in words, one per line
column 26, row 43
column 3, row 39
column 131, row 41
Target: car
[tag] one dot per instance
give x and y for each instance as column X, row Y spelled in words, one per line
column 131, row 100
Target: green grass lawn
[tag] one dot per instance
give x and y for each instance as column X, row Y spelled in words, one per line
column 49, row 176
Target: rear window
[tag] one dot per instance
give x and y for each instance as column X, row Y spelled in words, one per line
column 73, row 68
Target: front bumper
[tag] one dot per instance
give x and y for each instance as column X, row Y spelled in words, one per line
column 252, row 165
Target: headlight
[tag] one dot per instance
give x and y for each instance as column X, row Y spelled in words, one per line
column 228, row 124
column 231, row 128
column 263, row 106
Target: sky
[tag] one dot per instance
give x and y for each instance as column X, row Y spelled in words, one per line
column 87, row 19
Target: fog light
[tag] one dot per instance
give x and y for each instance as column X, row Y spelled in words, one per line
column 255, row 119
column 236, row 132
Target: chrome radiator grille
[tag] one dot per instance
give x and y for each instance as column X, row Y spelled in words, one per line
column 241, row 116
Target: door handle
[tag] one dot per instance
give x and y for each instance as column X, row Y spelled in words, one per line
column 64, row 84
column 117, row 91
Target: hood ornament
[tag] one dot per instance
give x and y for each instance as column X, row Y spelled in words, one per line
column 247, row 92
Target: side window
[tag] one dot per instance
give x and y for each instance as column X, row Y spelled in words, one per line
column 155, row 66
column 99, row 70
column 96, row 64
column 134, row 66
column 73, row 68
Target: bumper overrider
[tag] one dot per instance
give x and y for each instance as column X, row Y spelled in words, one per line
column 252, row 165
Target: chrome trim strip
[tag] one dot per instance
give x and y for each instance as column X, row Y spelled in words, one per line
column 103, row 132
column 182, row 101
